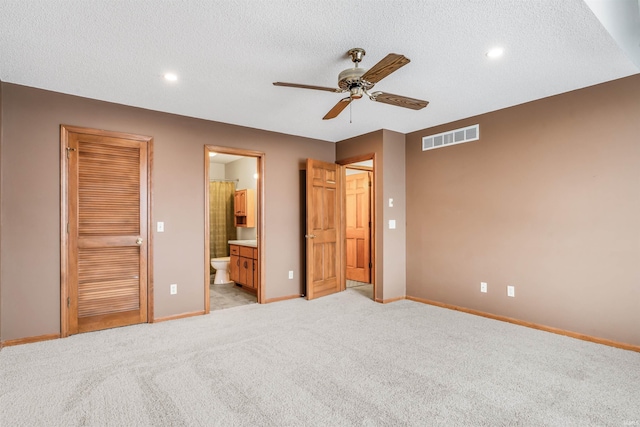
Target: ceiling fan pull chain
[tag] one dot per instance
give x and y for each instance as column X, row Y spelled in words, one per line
column 350, row 112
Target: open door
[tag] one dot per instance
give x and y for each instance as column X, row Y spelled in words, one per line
column 323, row 231
column 358, row 223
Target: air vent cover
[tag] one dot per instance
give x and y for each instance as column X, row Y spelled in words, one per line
column 452, row 137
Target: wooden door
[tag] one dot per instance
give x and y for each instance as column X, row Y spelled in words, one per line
column 107, row 235
column 324, row 249
column 358, row 226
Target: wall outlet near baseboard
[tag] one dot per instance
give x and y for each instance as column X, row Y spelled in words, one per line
column 173, row 289
column 483, row 287
column 511, row 291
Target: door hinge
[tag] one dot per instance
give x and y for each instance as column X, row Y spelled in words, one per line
column 68, row 302
column 67, row 228
column 70, row 149
column 370, row 265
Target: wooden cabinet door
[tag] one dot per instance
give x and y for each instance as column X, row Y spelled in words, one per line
column 243, row 271
column 323, row 231
column 248, row 262
column 234, row 268
column 240, row 201
column 255, row 273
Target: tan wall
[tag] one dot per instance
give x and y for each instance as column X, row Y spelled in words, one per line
column 389, row 148
column 548, row 200
column 360, row 145
column 1, row 213
column 395, row 242
column 30, row 273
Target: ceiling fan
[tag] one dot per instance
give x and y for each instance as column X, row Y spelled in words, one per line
column 358, row 82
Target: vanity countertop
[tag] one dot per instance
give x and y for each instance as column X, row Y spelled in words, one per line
column 251, row 243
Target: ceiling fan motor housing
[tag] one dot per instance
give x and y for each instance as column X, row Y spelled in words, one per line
column 350, row 80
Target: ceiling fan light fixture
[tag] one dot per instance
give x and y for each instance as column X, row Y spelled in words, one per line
column 358, row 81
column 356, row 92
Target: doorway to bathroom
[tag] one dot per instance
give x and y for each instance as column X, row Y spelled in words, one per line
column 359, row 216
column 234, row 239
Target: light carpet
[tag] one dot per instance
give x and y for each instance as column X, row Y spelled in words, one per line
column 336, row 361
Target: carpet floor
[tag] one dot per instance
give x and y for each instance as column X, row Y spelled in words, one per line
column 341, row 360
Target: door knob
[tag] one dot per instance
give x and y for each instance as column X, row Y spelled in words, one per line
column 309, row 236
column 139, row 241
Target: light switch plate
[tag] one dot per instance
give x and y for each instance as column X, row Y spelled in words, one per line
column 390, row 202
column 392, row 224
column 483, row 287
column 511, row 291
column 160, row 227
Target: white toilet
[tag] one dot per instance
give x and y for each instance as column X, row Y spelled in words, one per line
column 222, row 269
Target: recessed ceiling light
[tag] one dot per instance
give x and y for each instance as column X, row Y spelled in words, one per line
column 495, row 52
column 211, row 154
column 170, row 77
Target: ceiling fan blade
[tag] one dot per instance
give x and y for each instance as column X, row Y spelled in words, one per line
column 386, row 66
column 400, row 101
column 337, row 109
column 328, row 89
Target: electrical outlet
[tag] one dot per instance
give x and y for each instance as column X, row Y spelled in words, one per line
column 290, row 274
column 483, row 287
column 511, row 291
column 160, row 227
column 174, row 289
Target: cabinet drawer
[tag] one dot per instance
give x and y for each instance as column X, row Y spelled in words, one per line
column 234, row 250
column 246, row 252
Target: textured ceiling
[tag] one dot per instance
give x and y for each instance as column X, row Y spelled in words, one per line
column 228, row 53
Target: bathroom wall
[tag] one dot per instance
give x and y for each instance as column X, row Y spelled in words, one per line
column 216, row 170
column 30, row 201
column 244, row 171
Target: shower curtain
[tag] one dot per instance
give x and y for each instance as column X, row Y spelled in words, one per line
column 221, row 227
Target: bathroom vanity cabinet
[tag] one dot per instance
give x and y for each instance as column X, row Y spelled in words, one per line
column 243, row 266
column 244, row 207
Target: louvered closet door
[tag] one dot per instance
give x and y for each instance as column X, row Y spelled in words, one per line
column 107, row 280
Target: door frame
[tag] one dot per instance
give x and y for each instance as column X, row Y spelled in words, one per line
column 260, row 231
column 64, row 216
column 373, row 201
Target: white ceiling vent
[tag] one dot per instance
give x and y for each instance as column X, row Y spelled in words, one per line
column 458, row 136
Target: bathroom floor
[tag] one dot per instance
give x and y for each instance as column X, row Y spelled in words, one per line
column 228, row 295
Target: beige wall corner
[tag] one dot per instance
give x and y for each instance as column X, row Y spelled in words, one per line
column 395, row 240
column 389, row 148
